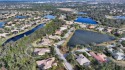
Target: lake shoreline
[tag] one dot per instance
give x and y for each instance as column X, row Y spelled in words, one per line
column 73, row 40
column 6, row 41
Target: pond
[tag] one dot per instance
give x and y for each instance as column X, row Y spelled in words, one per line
column 20, row 17
column 81, row 13
column 50, row 17
column 85, row 20
column 119, row 17
column 81, row 37
column 2, row 24
column 15, row 38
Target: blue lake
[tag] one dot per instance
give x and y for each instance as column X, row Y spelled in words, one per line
column 21, row 17
column 119, row 17
column 15, row 38
column 86, row 20
column 81, row 13
column 50, row 17
column 81, row 37
column 2, row 24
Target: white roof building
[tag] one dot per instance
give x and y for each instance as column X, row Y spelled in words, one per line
column 117, row 54
column 69, row 22
column 3, row 35
column 100, row 28
column 82, row 60
column 83, row 25
column 41, row 51
column 46, row 64
column 63, row 28
column 84, row 50
column 45, row 42
column 122, row 38
column 55, row 37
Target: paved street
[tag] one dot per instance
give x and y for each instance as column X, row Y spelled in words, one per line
column 67, row 65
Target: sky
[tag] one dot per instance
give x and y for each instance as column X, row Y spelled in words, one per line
column 41, row 0
column 122, row 1
column 15, row 0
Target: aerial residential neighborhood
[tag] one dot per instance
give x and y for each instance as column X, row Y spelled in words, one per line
column 62, row 35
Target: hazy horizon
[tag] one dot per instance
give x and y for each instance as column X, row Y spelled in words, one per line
column 105, row 1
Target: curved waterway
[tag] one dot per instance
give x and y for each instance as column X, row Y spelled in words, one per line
column 15, row 38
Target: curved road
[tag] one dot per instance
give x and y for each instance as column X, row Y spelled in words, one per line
column 67, row 65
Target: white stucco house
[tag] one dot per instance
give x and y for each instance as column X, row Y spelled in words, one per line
column 118, row 54
column 82, row 60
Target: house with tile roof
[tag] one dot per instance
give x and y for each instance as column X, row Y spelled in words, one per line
column 99, row 57
column 41, row 51
column 82, row 60
column 46, row 64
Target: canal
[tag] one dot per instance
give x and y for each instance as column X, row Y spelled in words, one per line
column 15, row 38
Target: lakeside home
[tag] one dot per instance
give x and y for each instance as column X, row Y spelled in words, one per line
column 86, row 50
column 3, row 35
column 100, row 29
column 116, row 52
column 123, row 39
column 91, row 26
column 14, row 31
column 109, row 29
column 83, row 25
column 82, row 60
column 99, row 57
